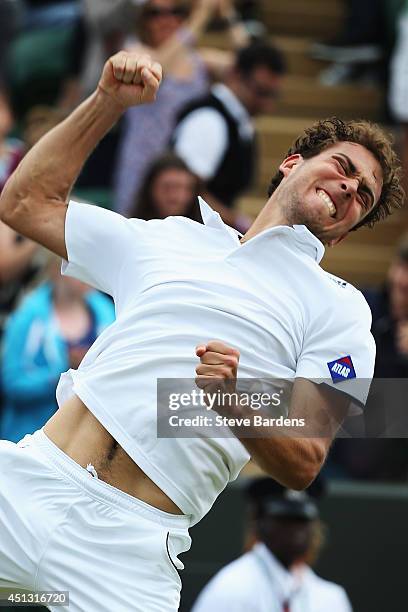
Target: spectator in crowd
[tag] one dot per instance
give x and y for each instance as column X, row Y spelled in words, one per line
column 362, row 43
column 360, row 35
column 17, row 268
column 16, row 253
column 45, row 59
column 275, row 575
column 390, row 318
column 251, row 14
column 108, row 24
column 10, row 21
column 215, row 134
column 168, row 189
column 20, row 259
column 11, row 150
column 49, row 332
column 168, row 31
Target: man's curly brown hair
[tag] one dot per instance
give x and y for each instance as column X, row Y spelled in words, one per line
column 328, row 132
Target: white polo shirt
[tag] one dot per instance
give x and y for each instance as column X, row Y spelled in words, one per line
column 177, row 283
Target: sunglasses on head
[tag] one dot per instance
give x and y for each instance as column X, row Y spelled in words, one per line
column 153, row 12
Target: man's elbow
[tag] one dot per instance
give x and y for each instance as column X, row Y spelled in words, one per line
column 303, row 466
column 14, row 205
column 7, row 210
column 301, row 479
column 308, row 466
column 4, row 211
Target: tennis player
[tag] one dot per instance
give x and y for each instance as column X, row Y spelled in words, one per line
column 95, row 503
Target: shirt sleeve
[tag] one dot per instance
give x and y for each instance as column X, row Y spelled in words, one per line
column 339, row 349
column 97, row 242
column 201, row 140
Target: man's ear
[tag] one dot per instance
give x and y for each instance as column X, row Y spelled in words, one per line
column 290, row 163
column 333, row 243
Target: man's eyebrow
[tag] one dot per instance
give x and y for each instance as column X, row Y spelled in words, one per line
column 363, row 185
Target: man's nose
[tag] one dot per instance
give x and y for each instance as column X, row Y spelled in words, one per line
column 349, row 186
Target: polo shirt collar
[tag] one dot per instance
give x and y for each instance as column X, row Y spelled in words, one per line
column 213, row 219
column 308, row 243
column 305, row 240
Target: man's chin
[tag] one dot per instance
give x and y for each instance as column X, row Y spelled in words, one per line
column 322, row 231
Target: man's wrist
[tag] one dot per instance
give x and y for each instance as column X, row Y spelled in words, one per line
column 108, row 103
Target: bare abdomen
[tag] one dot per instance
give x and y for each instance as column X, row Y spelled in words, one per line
column 79, row 434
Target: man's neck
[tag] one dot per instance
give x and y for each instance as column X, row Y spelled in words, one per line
column 270, row 216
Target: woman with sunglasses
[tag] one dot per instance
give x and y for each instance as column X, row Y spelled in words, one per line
column 167, row 31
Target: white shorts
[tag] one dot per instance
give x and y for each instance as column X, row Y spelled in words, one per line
column 63, row 530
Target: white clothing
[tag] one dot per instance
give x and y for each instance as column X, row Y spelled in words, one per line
column 257, row 582
column 61, row 529
column 177, row 283
column 201, row 138
column 399, row 72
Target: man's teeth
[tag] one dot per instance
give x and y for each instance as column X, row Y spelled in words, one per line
column 328, row 201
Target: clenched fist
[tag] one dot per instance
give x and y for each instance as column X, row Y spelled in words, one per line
column 218, row 366
column 131, row 79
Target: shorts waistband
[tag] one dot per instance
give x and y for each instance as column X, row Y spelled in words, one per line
column 98, row 488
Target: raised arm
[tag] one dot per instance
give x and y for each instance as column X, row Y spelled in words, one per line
column 34, row 200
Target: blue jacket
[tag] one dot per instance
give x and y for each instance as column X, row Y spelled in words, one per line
column 34, row 356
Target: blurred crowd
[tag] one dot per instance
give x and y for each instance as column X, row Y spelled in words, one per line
column 198, row 138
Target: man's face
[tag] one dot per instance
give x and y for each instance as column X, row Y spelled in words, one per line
column 288, row 538
column 331, row 192
column 259, row 91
